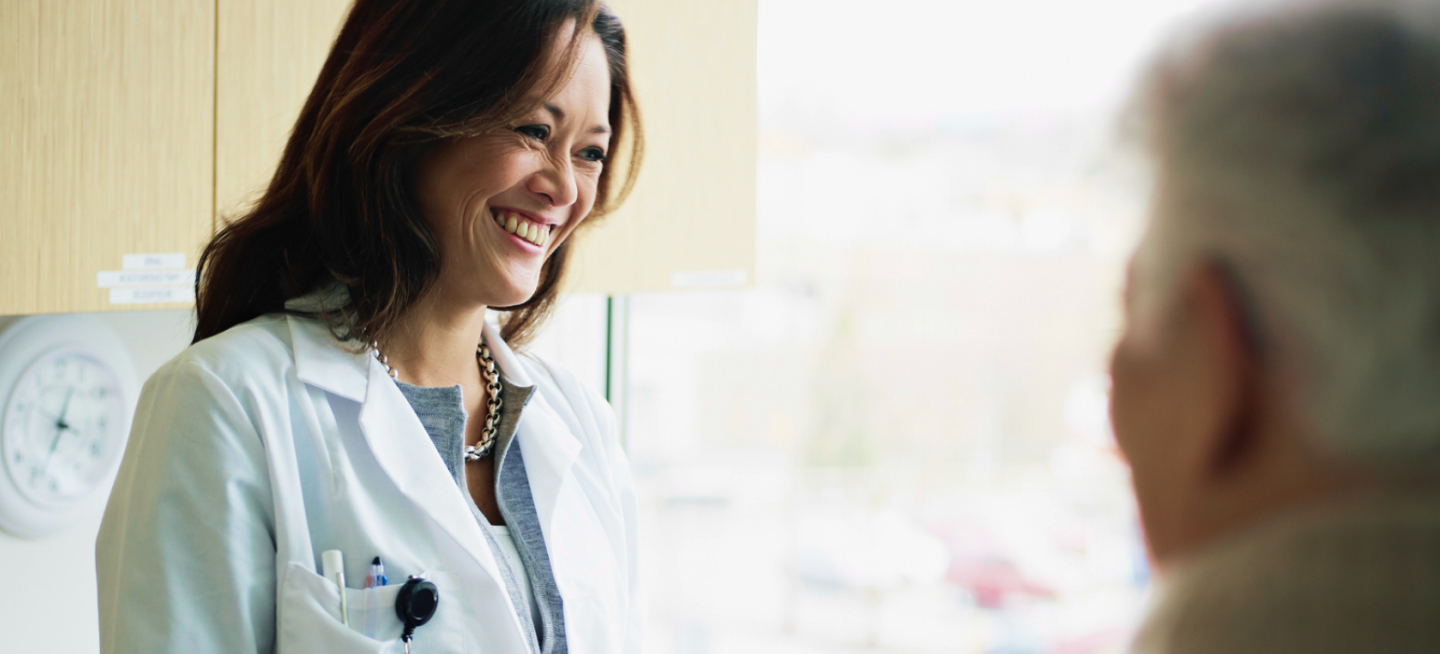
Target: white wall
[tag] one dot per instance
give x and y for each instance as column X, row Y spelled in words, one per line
column 47, row 597
column 47, row 591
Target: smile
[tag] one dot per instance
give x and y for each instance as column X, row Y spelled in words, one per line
column 528, row 230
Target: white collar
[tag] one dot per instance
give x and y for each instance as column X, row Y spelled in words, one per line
column 324, row 361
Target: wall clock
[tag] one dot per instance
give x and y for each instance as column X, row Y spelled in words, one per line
column 67, row 394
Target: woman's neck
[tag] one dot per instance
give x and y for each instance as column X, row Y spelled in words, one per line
column 433, row 344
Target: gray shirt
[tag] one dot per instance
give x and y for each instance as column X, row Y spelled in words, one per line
column 442, row 412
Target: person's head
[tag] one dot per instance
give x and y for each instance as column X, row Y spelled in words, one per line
column 1283, row 334
column 433, row 123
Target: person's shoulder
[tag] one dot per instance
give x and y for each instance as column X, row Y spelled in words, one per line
column 256, row 350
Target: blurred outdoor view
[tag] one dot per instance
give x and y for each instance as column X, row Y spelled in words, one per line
column 897, row 441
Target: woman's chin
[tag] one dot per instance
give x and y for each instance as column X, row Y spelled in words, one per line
column 514, row 295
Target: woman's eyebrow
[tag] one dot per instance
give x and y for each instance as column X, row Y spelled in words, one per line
column 559, row 115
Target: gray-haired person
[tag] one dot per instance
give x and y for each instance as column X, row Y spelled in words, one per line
column 1277, row 389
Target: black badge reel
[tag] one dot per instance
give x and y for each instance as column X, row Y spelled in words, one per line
column 415, row 605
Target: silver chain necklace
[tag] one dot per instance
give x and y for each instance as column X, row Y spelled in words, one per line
column 492, row 408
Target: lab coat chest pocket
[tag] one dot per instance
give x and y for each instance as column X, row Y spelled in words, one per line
column 309, row 618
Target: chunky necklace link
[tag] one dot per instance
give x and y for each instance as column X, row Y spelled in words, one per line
column 492, row 407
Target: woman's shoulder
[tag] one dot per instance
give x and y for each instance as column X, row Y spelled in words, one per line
column 575, row 401
column 260, row 348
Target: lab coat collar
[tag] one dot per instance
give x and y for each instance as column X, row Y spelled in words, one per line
column 505, row 357
column 322, row 361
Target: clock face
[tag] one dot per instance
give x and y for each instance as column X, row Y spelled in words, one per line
column 64, row 424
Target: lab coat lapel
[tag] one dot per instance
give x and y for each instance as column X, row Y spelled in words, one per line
column 392, row 431
column 550, row 453
column 408, row 457
column 550, row 449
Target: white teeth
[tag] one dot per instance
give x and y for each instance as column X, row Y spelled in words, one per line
column 532, row 232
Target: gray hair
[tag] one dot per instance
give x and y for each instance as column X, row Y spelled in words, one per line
column 1298, row 145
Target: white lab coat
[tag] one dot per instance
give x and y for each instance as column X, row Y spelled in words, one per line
column 255, row 450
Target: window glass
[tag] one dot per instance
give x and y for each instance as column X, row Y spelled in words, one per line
column 897, row 440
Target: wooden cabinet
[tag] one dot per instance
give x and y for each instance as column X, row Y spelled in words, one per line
column 128, row 126
column 691, row 220
column 268, row 54
column 106, row 114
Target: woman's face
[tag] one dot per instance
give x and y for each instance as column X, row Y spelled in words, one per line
column 501, row 202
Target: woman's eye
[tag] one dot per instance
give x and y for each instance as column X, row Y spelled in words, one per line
column 537, row 132
column 594, row 155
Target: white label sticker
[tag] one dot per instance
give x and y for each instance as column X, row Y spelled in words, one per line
column 118, row 278
column 159, row 261
column 708, row 278
column 152, row 295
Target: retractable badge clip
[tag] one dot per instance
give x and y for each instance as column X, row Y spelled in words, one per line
column 415, row 605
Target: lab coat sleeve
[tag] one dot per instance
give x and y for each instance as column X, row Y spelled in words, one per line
column 185, row 559
column 625, row 491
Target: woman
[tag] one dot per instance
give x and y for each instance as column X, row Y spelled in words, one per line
column 344, row 391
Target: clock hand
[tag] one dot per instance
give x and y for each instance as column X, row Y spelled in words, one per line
column 64, row 409
column 60, row 428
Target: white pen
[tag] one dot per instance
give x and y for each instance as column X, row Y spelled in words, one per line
column 333, row 564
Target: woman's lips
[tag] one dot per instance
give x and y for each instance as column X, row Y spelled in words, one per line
column 536, row 234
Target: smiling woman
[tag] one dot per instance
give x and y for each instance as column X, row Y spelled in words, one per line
column 405, row 84
column 344, row 392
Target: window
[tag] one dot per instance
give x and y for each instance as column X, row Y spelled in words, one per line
column 897, row 440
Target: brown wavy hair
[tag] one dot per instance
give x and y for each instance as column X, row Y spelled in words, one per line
column 402, row 76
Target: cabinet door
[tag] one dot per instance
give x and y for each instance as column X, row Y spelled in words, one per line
column 691, row 219
column 269, row 53
column 106, row 128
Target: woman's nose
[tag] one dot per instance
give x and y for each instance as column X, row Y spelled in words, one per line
column 556, row 183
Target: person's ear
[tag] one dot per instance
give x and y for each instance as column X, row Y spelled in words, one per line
column 1229, row 367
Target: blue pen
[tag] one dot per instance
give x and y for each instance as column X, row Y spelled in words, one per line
column 377, row 574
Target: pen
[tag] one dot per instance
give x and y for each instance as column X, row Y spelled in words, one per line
column 377, row 574
column 333, row 563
